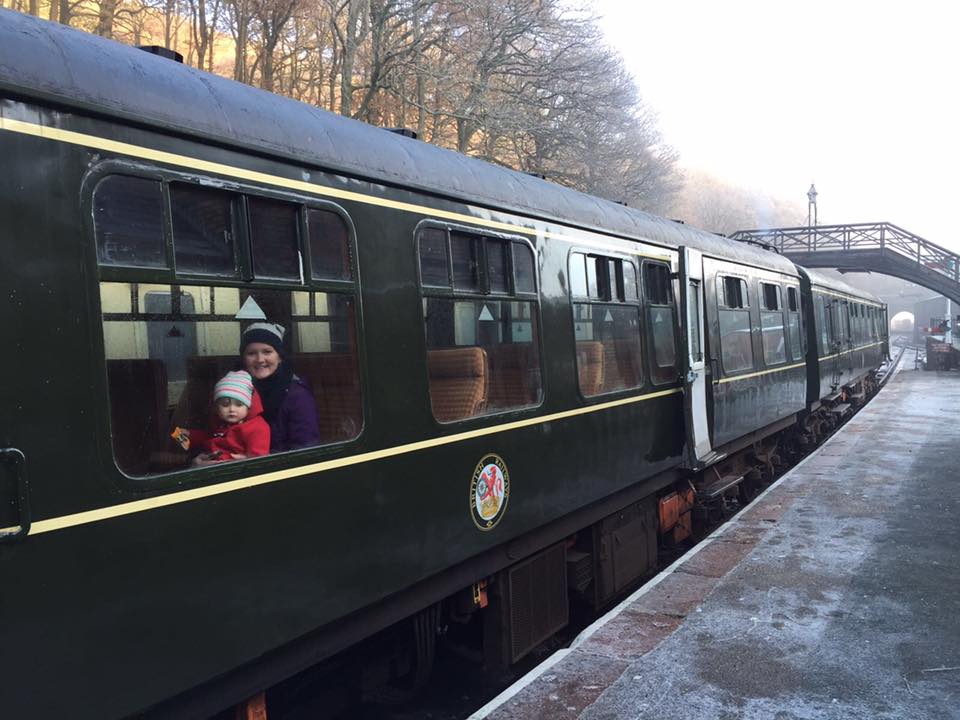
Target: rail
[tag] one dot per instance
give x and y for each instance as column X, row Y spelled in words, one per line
column 882, row 236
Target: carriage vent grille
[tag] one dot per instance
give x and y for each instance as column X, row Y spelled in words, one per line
column 537, row 598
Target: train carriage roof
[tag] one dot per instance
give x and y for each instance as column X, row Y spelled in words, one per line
column 834, row 284
column 52, row 63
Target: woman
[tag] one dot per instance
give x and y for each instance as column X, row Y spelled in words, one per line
column 288, row 404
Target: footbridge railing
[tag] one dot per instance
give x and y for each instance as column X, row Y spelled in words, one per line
column 875, row 247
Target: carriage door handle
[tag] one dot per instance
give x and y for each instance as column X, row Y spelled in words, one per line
column 15, row 460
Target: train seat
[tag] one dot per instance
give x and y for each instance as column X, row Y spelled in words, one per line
column 335, row 381
column 138, row 411
column 620, row 365
column 458, row 382
column 590, row 366
column 514, row 374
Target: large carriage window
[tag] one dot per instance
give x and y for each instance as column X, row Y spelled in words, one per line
column 797, row 341
column 606, row 318
column 771, row 324
column 128, row 217
column 481, row 324
column 736, row 343
column 658, row 294
column 168, row 343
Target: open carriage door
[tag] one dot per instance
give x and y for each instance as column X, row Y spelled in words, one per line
column 694, row 376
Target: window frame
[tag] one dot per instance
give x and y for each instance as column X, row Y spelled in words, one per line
column 799, row 353
column 620, row 301
column 722, row 307
column 671, row 304
column 242, row 280
column 450, row 292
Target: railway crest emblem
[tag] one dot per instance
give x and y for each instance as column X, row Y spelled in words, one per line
column 489, row 491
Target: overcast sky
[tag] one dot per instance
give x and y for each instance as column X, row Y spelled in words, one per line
column 862, row 98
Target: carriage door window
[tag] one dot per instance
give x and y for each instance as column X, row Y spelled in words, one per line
column 736, row 345
column 658, row 295
column 481, row 323
column 823, row 320
column 606, row 322
column 771, row 324
column 797, row 346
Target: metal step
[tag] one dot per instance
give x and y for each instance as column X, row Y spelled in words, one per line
column 835, row 396
column 840, row 409
column 718, row 486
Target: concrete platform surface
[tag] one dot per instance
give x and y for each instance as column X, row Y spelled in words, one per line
column 835, row 595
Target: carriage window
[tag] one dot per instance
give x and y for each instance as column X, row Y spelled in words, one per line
column 733, row 293
column 275, row 239
column 523, row 268
column 794, row 325
column 796, row 343
column 656, row 284
column 770, row 297
column 497, row 267
column 736, row 345
column 330, row 246
column 774, row 347
column 168, row 345
column 203, row 230
column 607, row 331
column 128, row 218
column 434, row 266
column 629, row 282
column 465, row 251
column 482, row 352
column 822, row 320
column 664, row 344
column 658, row 294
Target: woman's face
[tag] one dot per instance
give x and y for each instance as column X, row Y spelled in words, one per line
column 260, row 360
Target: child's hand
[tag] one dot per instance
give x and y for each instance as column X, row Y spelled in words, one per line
column 206, row 459
column 238, row 456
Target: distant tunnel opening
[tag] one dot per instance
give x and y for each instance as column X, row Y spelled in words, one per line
column 902, row 322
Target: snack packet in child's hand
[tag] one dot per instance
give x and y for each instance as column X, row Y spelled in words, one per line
column 182, row 436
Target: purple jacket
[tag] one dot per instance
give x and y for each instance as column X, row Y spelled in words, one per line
column 295, row 425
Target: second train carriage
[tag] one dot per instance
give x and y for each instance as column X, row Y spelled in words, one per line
column 507, row 375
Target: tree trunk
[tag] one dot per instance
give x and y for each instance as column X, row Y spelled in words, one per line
column 355, row 8
column 108, row 9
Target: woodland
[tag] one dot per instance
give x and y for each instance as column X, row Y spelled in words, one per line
column 529, row 84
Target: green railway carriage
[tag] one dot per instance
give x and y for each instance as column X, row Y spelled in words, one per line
column 508, row 375
column 848, row 335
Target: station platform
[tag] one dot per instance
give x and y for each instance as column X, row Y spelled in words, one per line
column 836, row 594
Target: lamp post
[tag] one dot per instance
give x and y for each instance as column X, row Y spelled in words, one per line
column 812, row 206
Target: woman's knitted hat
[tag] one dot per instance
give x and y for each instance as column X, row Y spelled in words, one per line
column 237, row 385
column 263, row 332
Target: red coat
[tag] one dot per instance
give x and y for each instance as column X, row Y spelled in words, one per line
column 251, row 437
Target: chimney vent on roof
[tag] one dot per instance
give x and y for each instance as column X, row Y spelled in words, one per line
column 162, row 52
column 406, row 132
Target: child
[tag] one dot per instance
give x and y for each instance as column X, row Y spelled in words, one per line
column 238, row 430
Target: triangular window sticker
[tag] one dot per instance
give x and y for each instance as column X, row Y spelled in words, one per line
column 485, row 314
column 608, row 317
column 250, row 311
